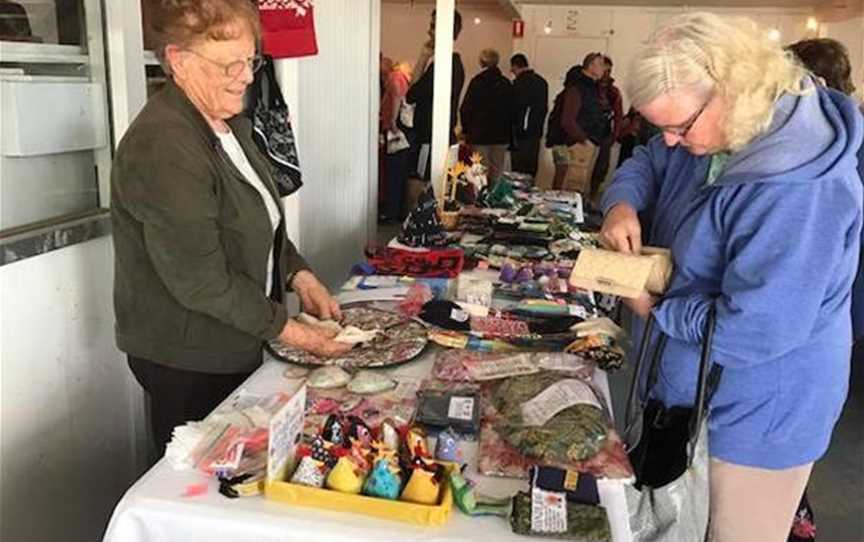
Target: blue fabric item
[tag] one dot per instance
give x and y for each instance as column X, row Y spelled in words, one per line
column 774, row 245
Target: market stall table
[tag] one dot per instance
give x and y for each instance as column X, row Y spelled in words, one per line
column 155, row 509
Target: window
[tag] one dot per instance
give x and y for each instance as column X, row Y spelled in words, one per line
column 59, row 22
column 55, row 151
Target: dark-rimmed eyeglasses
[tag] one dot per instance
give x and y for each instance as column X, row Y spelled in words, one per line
column 233, row 70
column 682, row 129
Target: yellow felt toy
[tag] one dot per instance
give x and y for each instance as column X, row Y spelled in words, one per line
column 422, row 488
column 345, row 477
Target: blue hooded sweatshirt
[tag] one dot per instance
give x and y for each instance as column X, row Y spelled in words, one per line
column 773, row 244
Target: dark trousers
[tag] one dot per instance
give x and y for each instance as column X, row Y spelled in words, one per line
column 601, row 167
column 523, row 159
column 396, row 179
column 175, row 396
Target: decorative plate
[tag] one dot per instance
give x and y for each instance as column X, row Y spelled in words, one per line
column 402, row 340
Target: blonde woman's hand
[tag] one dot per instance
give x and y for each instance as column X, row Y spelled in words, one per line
column 314, row 297
column 312, row 339
column 621, row 230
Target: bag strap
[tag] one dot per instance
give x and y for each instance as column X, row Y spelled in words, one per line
column 707, row 380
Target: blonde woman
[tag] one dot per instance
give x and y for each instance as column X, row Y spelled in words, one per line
column 752, row 184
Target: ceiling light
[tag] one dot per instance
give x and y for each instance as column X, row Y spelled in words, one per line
column 477, row 20
column 774, row 34
column 548, row 28
column 812, row 24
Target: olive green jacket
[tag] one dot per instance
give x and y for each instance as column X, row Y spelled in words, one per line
column 191, row 242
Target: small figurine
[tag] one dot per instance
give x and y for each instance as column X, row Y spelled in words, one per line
column 447, row 447
column 415, row 442
column 383, row 482
column 345, row 477
column 358, row 430
column 321, row 450
column 335, row 431
column 389, row 434
column 473, row 504
column 424, row 484
column 309, row 472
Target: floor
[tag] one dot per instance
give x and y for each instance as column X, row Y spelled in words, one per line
column 837, row 485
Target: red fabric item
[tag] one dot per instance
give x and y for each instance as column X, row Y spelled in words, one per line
column 288, row 28
column 443, row 263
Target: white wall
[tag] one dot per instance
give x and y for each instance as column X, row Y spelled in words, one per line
column 66, row 439
column 617, row 31
column 404, row 28
column 335, row 112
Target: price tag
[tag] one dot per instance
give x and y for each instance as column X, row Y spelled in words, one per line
column 577, row 310
column 555, row 398
column 548, row 511
column 461, row 408
column 459, row 315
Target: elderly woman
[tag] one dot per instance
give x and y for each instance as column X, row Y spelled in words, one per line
column 752, row 184
column 202, row 257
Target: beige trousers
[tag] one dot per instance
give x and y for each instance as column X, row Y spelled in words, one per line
column 574, row 166
column 754, row 505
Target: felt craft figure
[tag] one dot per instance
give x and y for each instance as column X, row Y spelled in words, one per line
column 415, row 442
column 335, row 431
column 447, row 447
column 424, row 484
column 358, row 430
column 383, row 482
column 389, row 434
column 322, row 451
column 345, row 477
column 469, row 502
column 309, row 473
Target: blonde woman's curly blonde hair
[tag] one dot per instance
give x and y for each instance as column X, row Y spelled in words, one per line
column 704, row 53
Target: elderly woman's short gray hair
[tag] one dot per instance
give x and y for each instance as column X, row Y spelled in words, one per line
column 489, row 58
column 704, row 53
column 185, row 22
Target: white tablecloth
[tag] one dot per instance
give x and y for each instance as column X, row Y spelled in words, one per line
column 155, row 510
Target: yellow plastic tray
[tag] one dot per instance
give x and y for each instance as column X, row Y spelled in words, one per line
column 418, row 514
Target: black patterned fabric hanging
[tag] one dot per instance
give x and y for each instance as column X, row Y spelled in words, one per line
column 423, row 227
column 272, row 130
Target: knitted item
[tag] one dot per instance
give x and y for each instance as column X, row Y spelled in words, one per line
column 584, row 523
column 575, row 434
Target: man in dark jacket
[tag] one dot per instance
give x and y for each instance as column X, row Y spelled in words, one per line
column 486, row 112
column 530, row 105
column 578, row 125
column 611, row 104
column 421, row 96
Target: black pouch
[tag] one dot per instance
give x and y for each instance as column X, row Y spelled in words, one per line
column 666, row 435
column 460, row 410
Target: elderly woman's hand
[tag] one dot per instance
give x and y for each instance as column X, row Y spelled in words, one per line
column 314, row 297
column 621, row 230
column 316, row 340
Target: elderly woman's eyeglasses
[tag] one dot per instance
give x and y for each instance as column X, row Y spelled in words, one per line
column 682, row 129
column 233, row 70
